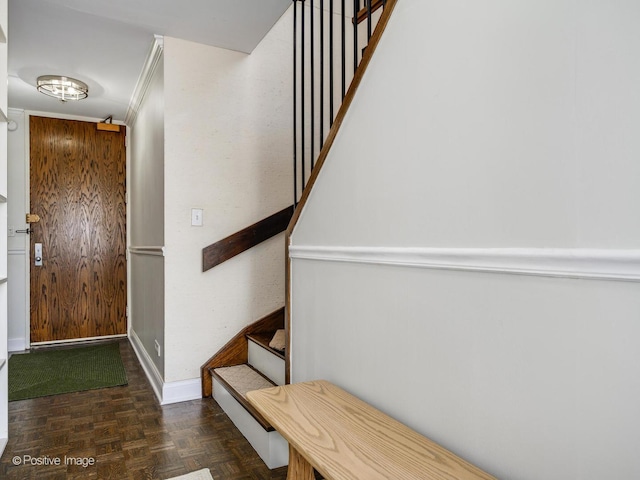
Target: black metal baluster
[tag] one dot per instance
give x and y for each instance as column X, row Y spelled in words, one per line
column 312, row 62
column 302, row 98
column 295, row 103
column 321, row 74
column 355, row 36
column 344, row 53
column 331, row 62
column 368, row 2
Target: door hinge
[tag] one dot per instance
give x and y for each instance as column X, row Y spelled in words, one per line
column 126, row 311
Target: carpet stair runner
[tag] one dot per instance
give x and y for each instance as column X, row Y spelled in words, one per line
column 265, row 368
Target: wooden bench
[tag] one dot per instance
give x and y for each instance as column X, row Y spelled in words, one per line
column 343, row 438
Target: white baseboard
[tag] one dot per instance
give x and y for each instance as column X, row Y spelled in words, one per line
column 582, row 263
column 167, row 392
column 147, row 364
column 181, row 391
column 16, row 344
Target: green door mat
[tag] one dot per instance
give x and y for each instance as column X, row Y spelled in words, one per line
column 42, row 373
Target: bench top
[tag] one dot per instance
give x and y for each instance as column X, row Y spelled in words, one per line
column 345, row 438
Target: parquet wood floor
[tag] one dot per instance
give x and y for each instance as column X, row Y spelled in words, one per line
column 127, row 434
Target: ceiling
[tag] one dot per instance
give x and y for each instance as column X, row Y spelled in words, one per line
column 105, row 43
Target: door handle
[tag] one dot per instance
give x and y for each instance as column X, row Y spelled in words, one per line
column 38, row 254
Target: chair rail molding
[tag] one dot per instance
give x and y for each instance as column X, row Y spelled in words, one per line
column 596, row 264
column 155, row 250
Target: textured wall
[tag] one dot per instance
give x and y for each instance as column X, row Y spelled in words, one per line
column 228, row 151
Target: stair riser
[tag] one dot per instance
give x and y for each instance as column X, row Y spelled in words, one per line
column 267, row 363
column 270, row 446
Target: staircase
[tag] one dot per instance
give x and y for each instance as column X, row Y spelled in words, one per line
column 322, row 71
column 248, row 363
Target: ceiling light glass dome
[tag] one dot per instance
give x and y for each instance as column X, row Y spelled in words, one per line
column 62, row 88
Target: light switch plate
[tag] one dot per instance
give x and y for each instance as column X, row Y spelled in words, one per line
column 196, row 217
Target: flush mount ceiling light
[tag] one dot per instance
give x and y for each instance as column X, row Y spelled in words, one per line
column 62, row 88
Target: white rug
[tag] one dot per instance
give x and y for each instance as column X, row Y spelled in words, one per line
column 203, row 474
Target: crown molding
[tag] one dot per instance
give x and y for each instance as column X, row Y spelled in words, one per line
column 153, row 57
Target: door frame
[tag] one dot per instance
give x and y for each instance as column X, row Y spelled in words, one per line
column 27, row 241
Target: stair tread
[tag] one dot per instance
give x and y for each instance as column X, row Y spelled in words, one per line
column 240, row 379
column 243, row 378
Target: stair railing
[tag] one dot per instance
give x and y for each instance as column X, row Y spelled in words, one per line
column 335, row 123
column 329, row 39
column 247, row 238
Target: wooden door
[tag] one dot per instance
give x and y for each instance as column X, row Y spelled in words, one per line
column 77, row 187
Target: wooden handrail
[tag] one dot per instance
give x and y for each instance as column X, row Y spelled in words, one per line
column 363, row 13
column 326, row 147
column 246, row 238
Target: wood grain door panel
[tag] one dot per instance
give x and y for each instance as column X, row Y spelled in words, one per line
column 77, row 187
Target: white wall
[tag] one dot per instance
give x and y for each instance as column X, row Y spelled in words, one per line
column 4, row 215
column 489, row 125
column 146, row 226
column 18, row 245
column 147, row 166
column 520, row 123
column 228, row 151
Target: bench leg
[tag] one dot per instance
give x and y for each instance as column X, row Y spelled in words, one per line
column 299, row 468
